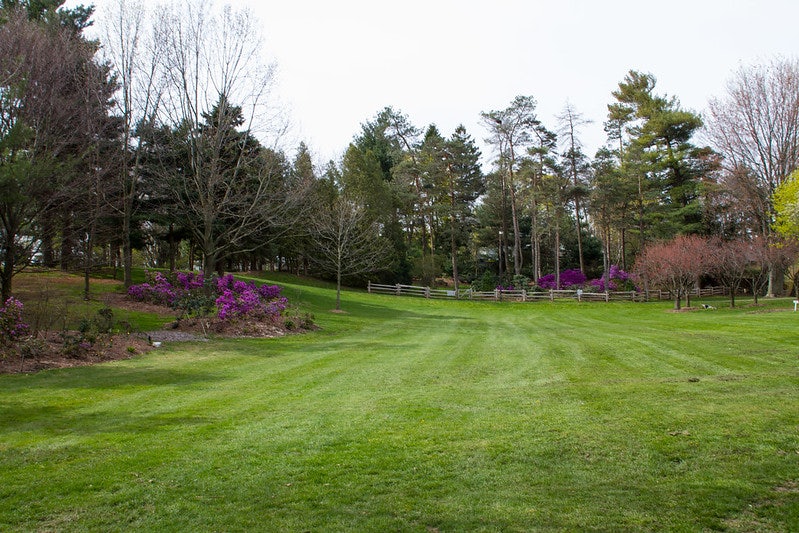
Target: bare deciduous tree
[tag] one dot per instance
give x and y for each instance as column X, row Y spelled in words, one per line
column 348, row 243
column 135, row 56
column 755, row 127
column 228, row 190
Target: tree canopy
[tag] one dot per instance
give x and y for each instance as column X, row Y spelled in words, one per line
column 156, row 146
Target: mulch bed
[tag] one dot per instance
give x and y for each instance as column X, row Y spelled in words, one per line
column 59, row 350
column 48, row 351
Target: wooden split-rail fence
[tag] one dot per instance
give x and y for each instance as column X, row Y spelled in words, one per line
column 500, row 295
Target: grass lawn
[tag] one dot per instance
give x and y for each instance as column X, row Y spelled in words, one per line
column 414, row 415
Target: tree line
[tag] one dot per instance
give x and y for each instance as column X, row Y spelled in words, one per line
column 157, row 145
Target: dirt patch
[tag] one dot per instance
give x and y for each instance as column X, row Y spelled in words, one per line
column 60, row 350
column 202, row 328
column 121, row 301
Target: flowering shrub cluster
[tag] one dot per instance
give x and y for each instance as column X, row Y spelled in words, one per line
column 194, row 294
column 618, row 279
column 159, row 291
column 239, row 299
column 569, row 279
column 11, row 325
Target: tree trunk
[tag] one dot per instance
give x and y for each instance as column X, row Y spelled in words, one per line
column 48, row 254
column 557, row 253
column 127, row 249
column 7, row 271
column 579, row 228
column 172, row 247
column 338, row 291
column 517, row 242
column 606, row 258
column 776, row 280
column 66, row 244
column 453, row 245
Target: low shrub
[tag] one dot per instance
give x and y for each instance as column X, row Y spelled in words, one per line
column 12, row 326
column 195, row 295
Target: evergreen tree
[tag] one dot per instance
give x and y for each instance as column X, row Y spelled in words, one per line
column 655, row 151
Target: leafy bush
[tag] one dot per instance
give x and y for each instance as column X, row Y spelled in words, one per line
column 487, row 282
column 90, row 331
column 521, row 282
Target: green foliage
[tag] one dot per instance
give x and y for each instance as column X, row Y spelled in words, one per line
column 786, row 207
column 487, row 282
column 658, row 158
column 520, row 282
column 90, row 330
column 295, row 319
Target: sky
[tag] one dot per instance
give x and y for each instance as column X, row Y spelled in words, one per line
column 442, row 62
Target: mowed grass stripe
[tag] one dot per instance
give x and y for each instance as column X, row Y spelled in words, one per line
column 409, row 415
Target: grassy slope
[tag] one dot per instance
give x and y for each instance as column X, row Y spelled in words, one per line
column 408, row 415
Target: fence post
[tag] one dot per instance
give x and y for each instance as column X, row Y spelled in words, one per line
column 551, row 295
column 524, row 295
column 607, row 296
column 496, row 295
column 427, row 292
column 399, row 290
column 369, row 287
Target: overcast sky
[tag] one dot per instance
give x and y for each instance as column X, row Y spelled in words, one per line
column 444, row 61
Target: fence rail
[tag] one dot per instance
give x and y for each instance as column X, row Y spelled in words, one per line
column 500, row 295
column 701, row 293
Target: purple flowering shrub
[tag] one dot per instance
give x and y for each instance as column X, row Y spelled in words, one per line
column 194, row 294
column 569, row 279
column 159, row 290
column 12, row 327
column 239, row 299
column 618, row 280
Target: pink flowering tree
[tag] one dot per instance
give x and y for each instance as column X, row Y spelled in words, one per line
column 675, row 265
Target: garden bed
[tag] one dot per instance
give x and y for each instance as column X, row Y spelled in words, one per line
column 56, row 350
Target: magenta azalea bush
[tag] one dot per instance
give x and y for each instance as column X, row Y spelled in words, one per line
column 569, row 279
column 194, row 294
column 239, row 299
column 618, row 280
column 12, row 327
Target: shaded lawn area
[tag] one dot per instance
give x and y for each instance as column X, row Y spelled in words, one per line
column 412, row 415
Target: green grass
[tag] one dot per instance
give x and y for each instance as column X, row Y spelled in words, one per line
column 413, row 415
